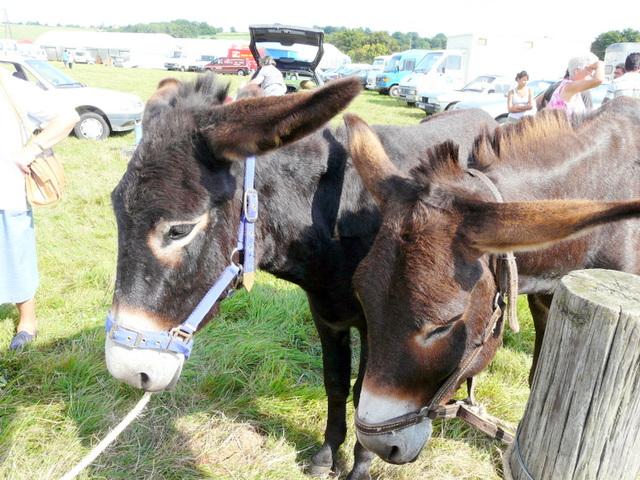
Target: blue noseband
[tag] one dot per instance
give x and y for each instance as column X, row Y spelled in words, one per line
column 180, row 338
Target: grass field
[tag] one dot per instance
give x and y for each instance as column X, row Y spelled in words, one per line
column 250, row 403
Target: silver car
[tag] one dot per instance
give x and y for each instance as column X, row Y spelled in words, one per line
column 101, row 111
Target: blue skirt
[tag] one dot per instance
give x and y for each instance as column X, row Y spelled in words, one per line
column 18, row 262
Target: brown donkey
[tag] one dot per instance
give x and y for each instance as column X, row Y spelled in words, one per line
column 429, row 284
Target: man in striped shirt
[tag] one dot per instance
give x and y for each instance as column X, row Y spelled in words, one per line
column 628, row 84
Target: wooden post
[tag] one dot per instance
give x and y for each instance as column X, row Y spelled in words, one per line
column 582, row 420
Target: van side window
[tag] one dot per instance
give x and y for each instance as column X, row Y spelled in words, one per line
column 454, row 62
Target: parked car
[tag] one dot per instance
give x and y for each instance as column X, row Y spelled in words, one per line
column 83, row 57
column 333, row 73
column 480, row 88
column 120, row 62
column 240, row 66
column 361, row 72
column 497, row 107
column 297, row 52
column 199, row 63
column 101, row 111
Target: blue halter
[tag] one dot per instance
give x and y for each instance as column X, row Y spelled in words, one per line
column 180, row 338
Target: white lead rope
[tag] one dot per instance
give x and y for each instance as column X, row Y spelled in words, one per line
column 93, row 454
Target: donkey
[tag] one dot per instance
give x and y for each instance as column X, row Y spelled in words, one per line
column 179, row 204
column 430, row 283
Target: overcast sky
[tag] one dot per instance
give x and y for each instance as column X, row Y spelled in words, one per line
column 552, row 18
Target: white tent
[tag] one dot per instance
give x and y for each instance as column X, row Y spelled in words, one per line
column 333, row 57
column 145, row 49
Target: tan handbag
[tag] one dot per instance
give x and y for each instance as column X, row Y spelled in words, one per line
column 46, row 179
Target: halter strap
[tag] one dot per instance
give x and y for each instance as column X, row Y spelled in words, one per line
column 180, row 338
column 507, row 271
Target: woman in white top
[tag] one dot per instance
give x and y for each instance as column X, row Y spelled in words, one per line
column 269, row 77
column 520, row 99
column 23, row 108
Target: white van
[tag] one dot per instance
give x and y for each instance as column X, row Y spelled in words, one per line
column 617, row 53
column 81, row 56
column 377, row 66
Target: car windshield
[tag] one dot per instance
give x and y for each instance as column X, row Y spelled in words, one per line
column 427, row 62
column 53, row 75
column 480, row 84
column 393, row 64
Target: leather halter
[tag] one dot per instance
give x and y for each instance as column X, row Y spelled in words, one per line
column 507, row 282
column 180, row 338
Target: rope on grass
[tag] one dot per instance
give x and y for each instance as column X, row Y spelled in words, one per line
column 93, row 454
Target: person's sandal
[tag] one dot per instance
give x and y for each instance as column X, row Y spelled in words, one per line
column 21, row 339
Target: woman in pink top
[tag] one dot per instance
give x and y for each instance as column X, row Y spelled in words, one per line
column 584, row 73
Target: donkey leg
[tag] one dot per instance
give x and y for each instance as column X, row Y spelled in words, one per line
column 539, row 306
column 361, row 456
column 336, row 359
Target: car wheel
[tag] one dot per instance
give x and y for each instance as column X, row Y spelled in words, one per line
column 91, row 127
column 393, row 91
column 502, row 119
column 241, row 73
column 450, row 106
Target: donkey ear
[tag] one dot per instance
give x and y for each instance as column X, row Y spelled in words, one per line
column 160, row 99
column 525, row 226
column 370, row 159
column 255, row 125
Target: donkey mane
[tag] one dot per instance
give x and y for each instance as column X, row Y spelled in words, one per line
column 549, row 130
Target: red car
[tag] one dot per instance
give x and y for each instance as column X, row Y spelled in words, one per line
column 236, row 65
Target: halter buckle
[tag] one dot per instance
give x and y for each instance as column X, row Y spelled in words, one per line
column 250, row 205
column 179, row 334
column 128, row 340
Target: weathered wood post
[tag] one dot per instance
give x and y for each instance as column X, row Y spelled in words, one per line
column 582, row 420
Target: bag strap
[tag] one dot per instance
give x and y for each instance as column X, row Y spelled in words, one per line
column 17, row 113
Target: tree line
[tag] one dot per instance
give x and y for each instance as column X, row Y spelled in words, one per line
column 603, row 40
column 363, row 45
column 175, row 28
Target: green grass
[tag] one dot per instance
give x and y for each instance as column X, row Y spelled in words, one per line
column 250, row 404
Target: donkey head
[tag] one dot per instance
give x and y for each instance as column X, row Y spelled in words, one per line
column 428, row 284
column 178, row 206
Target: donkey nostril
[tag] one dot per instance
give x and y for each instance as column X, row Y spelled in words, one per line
column 144, row 380
column 394, row 453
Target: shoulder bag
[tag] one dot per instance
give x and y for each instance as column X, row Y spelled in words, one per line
column 46, row 179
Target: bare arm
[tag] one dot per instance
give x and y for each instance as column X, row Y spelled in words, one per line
column 58, row 128
column 578, row 86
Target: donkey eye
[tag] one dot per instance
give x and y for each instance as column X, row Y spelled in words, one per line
column 176, row 232
column 439, row 331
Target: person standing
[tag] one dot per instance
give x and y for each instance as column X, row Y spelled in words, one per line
column 23, row 108
column 520, row 100
column 269, row 77
column 65, row 59
column 70, row 59
column 628, row 85
column 619, row 71
column 584, row 73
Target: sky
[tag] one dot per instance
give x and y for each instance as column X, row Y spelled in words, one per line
column 584, row 19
